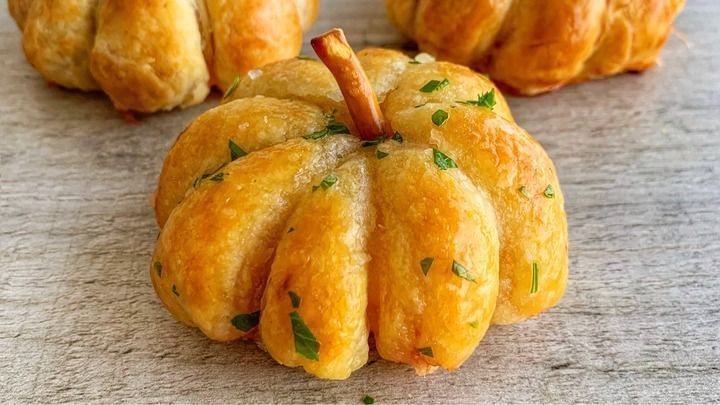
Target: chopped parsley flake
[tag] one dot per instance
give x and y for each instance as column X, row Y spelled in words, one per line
column 327, row 182
column 443, row 161
column 235, row 150
column 380, row 154
column 474, row 324
column 374, row 142
column 485, row 100
column 246, row 322
column 462, row 272
column 303, row 57
column 175, row 291
column 414, row 62
column 425, row 264
column 198, row 180
column 218, row 177
column 434, row 85
column 306, row 344
column 426, row 351
column 549, row 191
column 232, row 88
column 439, row 117
column 523, row 191
column 368, row 400
column 420, row 105
column 158, row 268
column 534, row 285
column 294, row 299
column 397, row 137
column 333, row 127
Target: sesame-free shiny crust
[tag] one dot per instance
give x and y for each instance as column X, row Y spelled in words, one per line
column 352, row 248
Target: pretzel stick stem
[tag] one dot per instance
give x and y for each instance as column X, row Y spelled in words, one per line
column 335, row 52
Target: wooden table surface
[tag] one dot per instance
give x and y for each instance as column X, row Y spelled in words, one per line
column 639, row 162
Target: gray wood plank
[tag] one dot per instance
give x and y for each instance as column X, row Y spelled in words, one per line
column 639, row 161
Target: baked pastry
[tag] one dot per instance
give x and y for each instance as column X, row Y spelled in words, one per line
column 307, row 214
column 155, row 55
column 534, row 46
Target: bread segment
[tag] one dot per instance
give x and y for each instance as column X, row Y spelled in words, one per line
column 247, row 34
column 434, row 269
column 321, row 262
column 57, row 39
column 148, row 54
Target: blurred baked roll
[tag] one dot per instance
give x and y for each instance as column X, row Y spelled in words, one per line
column 153, row 55
column 534, row 46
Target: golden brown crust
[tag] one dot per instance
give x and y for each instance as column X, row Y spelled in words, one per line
column 499, row 214
column 501, row 158
column 248, row 35
column 424, row 213
column 148, row 55
column 322, row 258
column 251, row 123
column 533, row 46
column 308, row 12
column 151, row 55
column 19, row 10
column 57, row 39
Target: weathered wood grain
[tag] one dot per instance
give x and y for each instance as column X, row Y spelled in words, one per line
column 639, row 160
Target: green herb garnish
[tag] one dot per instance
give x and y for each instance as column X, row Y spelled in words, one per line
column 245, row 322
column 414, row 62
column 374, row 142
column 420, row 105
column 294, row 299
column 522, row 190
column 175, row 291
column 485, row 100
column 549, row 191
column 198, row 180
column 426, row 351
column 158, row 268
column 443, row 161
column 397, row 137
column 327, row 182
column 461, row 271
column 235, row 150
column 218, row 177
column 232, row 88
column 474, row 324
column 333, row 127
column 305, row 343
column 303, row 57
column 368, row 400
column 534, row 285
column 380, row 154
column 425, row 264
column 434, row 85
column 439, row 117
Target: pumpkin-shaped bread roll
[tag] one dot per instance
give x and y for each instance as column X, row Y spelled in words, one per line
column 153, row 55
column 322, row 203
column 534, row 46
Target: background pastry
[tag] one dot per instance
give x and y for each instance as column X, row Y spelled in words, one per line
column 155, row 55
column 534, row 46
